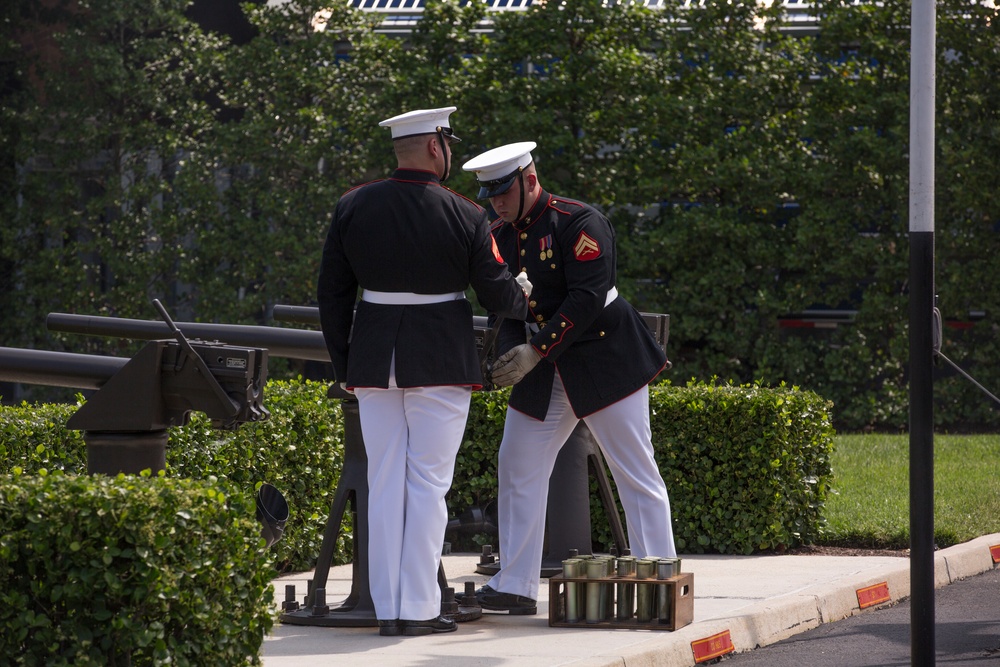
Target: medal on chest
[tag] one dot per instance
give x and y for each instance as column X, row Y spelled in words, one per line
column 545, row 247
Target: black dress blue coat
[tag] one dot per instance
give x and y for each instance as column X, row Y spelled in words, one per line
column 602, row 354
column 409, row 233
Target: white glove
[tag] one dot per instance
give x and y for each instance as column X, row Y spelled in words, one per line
column 514, row 364
column 343, row 386
column 522, row 280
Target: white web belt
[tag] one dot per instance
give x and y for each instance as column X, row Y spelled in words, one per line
column 408, row 298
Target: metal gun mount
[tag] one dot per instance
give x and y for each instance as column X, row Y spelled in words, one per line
column 125, row 423
column 169, row 379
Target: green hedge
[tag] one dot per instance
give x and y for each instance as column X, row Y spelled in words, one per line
column 299, row 450
column 747, row 467
column 34, row 439
column 133, row 570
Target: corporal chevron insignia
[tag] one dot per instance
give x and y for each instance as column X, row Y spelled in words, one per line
column 496, row 250
column 586, row 248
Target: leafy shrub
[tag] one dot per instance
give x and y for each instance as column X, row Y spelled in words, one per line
column 34, row 437
column 747, row 467
column 140, row 570
column 299, row 450
column 475, row 481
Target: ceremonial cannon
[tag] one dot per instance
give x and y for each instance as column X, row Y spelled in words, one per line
column 279, row 342
column 125, row 423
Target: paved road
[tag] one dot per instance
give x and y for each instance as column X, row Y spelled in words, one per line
column 966, row 615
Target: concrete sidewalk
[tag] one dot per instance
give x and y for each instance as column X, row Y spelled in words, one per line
column 751, row 600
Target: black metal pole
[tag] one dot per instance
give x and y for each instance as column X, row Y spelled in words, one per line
column 921, row 449
column 922, row 101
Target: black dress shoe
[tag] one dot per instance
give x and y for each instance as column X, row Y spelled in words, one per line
column 439, row 624
column 516, row 605
column 391, row 628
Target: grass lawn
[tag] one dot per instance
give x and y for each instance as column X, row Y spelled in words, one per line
column 870, row 506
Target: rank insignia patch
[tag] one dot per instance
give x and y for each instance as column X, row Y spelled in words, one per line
column 496, row 250
column 586, row 248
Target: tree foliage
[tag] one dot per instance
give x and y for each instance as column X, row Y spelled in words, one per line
column 752, row 172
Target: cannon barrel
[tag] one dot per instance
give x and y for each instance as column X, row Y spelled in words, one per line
column 289, row 343
column 310, row 315
column 57, row 369
column 298, row 314
column 657, row 323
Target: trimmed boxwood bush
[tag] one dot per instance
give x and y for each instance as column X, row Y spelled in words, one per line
column 34, row 438
column 131, row 570
column 747, row 467
column 299, row 450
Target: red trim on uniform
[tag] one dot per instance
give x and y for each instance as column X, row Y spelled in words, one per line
column 552, row 201
column 361, row 185
column 511, row 407
column 496, row 250
column 406, row 180
column 459, row 194
column 436, row 178
column 435, row 181
column 558, row 341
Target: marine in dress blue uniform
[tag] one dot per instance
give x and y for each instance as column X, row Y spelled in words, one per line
column 582, row 352
column 412, row 246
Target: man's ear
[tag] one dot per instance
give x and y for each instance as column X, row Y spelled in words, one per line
column 433, row 146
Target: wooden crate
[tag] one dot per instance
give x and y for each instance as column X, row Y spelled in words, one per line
column 680, row 589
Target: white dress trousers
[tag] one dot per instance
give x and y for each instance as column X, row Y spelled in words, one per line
column 411, row 437
column 527, row 455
